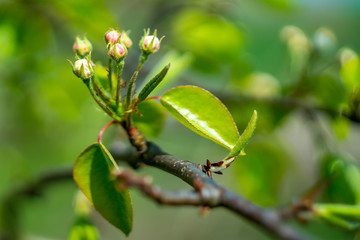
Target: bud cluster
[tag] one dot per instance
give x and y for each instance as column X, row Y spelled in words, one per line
column 118, row 44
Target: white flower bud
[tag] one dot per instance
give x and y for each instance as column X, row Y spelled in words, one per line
column 117, row 51
column 112, row 36
column 83, row 69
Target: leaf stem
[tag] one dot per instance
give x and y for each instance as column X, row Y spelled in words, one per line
column 110, row 75
column 89, row 83
column 104, row 129
column 119, row 66
column 127, row 102
column 153, row 97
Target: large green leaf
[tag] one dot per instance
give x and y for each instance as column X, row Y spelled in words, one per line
column 92, row 173
column 203, row 113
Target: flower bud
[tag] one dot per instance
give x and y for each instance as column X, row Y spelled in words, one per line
column 82, row 47
column 325, row 41
column 83, row 68
column 150, row 43
column 125, row 39
column 117, row 51
column 112, row 36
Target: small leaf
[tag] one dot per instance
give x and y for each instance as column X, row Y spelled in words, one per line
column 350, row 73
column 202, row 113
column 152, row 120
column 153, row 83
column 341, row 127
column 92, row 173
column 339, row 214
column 83, row 230
column 352, row 175
column 245, row 137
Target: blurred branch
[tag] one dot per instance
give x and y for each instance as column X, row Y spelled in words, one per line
column 286, row 103
column 10, row 203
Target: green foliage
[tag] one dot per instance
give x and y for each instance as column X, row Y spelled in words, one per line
column 328, row 90
column 153, row 83
column 83, row 230
column 350, row 72
column 222, row 46
column 342, row 177
column 93, row 174
column 346, row 216
column 212, row 40
column 244, row 138
column 260, row 172
column 202, row 113
column 179, row 64
column 152, row 118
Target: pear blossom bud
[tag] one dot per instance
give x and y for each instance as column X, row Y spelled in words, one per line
column 112, row 36
column 82, row 47
column 83, row 69
column 125, row 39
column 149, row 43
column 117, row 51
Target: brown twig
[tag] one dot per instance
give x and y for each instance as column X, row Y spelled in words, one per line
column 206, row 191
column 214, row 195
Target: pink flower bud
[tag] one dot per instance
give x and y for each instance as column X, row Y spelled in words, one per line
column 82, row 47
column 83, row 69
column 154, row 46
column 112, row 36
column 117, row 51
column 149, row 43
column 125, row 39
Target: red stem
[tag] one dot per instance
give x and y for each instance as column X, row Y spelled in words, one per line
column 104, row 128
column 154, row 97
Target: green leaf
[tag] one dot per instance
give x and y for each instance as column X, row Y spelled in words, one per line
column 345, row 210
column 328, row 90
column 202, row 113
column 350, row 73
column 153, row 83
column 341, row 127
column 191, row 30
column 340, row 185
column 245, row 137
column 339, row 214
column 83, row 230
column 261, row 171
column 92, row 173
column 352, row 175
column 152, row 120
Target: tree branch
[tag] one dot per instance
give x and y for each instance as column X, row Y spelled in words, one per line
column 10, row 203
column 214, row 195
column 206, row 191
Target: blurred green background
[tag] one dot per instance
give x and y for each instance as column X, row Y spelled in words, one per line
column 228, row 47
